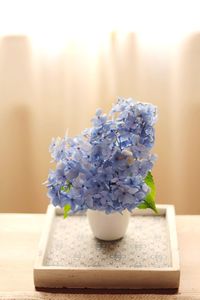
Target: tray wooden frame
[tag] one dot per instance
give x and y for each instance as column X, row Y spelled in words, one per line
column 108, row 278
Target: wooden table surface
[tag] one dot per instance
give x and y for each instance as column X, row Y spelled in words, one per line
column 19, row 237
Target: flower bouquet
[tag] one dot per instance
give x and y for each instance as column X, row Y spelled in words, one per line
column 106, row 170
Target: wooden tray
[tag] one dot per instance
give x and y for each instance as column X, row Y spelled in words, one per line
column 146, row 258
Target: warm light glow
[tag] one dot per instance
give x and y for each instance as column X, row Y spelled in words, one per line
column 52, row 25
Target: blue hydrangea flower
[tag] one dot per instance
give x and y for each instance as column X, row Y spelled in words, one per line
column 104, row 168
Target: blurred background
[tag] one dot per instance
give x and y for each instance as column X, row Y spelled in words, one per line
column 61, row 60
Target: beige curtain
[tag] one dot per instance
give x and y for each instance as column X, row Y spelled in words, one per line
column 43, row 95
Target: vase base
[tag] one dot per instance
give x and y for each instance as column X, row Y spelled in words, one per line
column 109, row 239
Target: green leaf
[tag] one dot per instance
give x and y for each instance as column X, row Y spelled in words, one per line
column 67, row 187
column 149, row 201
column 142, row 205
column 150, row 182
column 67, row 208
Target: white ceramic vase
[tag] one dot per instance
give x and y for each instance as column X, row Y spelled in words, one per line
column 108, row 227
